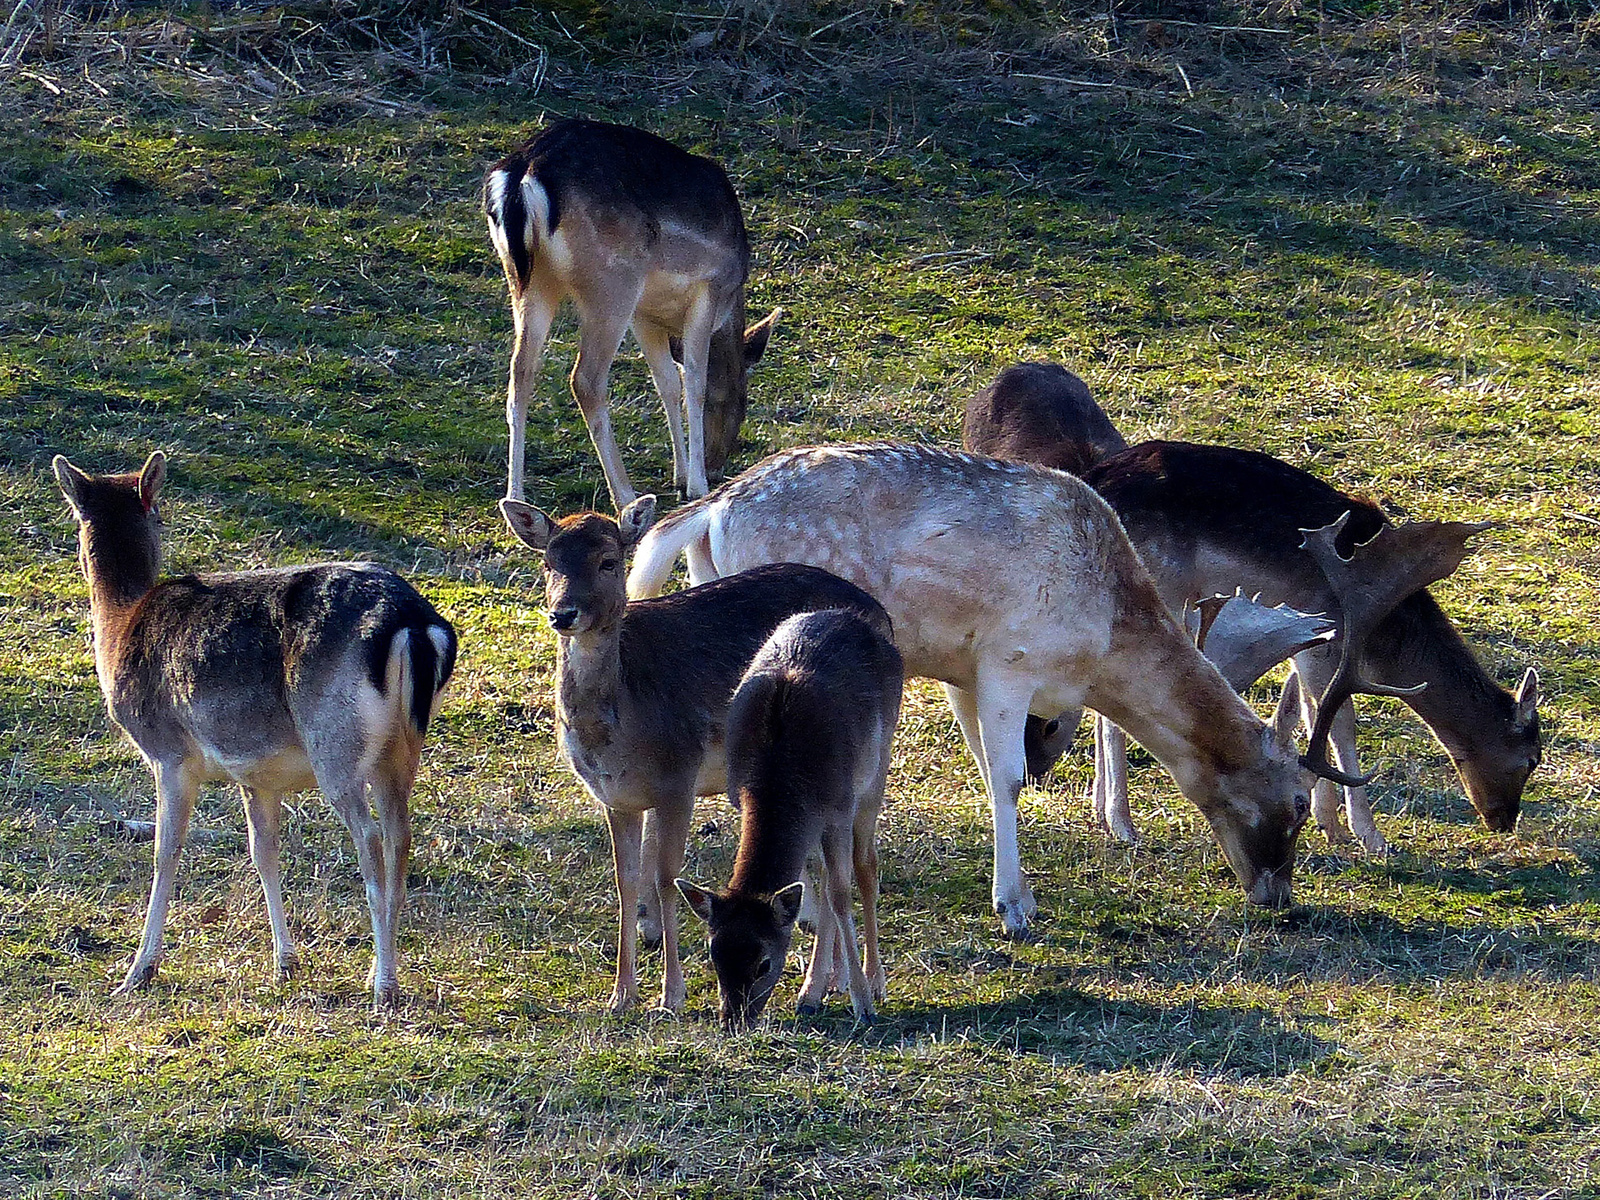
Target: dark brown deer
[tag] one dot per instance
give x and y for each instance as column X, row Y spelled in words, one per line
column 1040, row 413
column 809, row 733
column 639, row 233
column 1211, row 519
column 1016, row 587
column 278, row 680
column 642, row 694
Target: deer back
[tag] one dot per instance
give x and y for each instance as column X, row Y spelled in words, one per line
column 1040, row 413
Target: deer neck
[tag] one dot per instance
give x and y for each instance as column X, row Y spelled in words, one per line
column 118, row 581
column 589, row 687
column 1162, row 691
column 773, row 841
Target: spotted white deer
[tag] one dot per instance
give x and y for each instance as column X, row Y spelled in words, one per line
column 1016, row 587
column 278, row 680
column 642, row 693
column 1211, row 519
column 636, row 232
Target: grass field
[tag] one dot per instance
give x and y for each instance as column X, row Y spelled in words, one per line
column 1366, row 240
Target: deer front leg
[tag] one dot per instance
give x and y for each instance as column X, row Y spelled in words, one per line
column 1315, row 669
column 264, row 814
column 532, row 315
column 864, row 852
column 1111, row 756
column 837, row 854
column 1357, row 808
column 671, row 822
column 1002, row 712
column 176, row 788
column 627, row 831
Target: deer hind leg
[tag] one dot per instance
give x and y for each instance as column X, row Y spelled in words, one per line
column 264, row 813
column 649, row 901
column 176, row 788
column 627, row 830
column 657, row 346
column 698, row 326
column 531, row 313
column 672, row 834
column 347, row 793
column 1002, row 712
column 391, row 794
column 603, row 326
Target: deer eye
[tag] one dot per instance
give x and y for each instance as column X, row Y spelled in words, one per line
column 609, row 564
column 763, row 967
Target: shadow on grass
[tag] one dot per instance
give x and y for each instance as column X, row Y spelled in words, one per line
column 1069, row 1026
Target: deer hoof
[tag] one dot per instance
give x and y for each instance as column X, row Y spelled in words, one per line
column 288, row 965
column 138, row 976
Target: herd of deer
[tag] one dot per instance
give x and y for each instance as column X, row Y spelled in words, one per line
column 1048, row 568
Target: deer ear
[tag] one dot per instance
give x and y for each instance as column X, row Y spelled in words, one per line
column 1527, row 697
column 635, row 520
column 151, row 476
column 786, row 903
column 1286, row 718
column 701, row 901
column 757, row 336
column 531, row 526
column 73, row 483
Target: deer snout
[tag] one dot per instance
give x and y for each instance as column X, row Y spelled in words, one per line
column 1271, row 889
column 564, row 618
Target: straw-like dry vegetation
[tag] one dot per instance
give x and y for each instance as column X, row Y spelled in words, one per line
column 1365, row 237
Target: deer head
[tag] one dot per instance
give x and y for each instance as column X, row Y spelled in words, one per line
column 585, row 588
column 119, row 525
column 1397, row 562
column 750, row 938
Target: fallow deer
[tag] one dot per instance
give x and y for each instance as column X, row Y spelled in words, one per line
column 1211, row 519
column 1015, row 587
column 809, row 733
column 642, row 694
column 278, row 680
column 637, row 232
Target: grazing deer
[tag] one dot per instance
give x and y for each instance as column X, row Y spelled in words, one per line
column 636, row 232
column 1040, row 413
column 1211, row 519
column 279, row 680
column 642, row 694
column 808, row 742
column 1016, row 587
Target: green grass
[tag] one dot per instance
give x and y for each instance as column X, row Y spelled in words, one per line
column 1370, row 244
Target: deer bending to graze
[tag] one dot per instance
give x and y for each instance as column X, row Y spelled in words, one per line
column 1015, row 587
column 809, row 733
column 642, row 694
column 278, row 680
column 1040, row 413
column 1212, row 519
column 639, row 233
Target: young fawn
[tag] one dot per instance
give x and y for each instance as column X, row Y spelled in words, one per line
column 642, row 693
column 278, row 680
column 809, row 732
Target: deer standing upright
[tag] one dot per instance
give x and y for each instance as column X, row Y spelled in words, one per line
column 1016, row 587
column 809, row 734
column 278, row 680
column 639, row 233
column 642, row 694
column 1211, row 519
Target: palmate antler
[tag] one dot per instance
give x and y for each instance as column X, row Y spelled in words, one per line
column 1379, row 574
column 1244, row 639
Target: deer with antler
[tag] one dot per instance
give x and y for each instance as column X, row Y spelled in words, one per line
column 1016, row 588
column 1212, row 519
column 637, row 233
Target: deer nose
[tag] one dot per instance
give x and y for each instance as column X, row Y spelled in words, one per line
column 563, row 618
